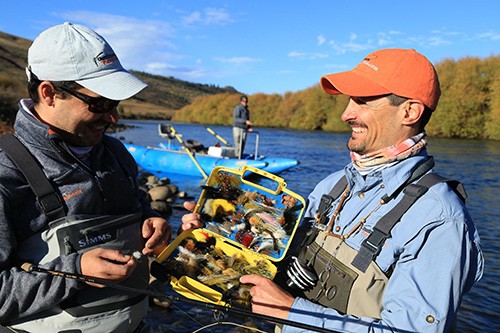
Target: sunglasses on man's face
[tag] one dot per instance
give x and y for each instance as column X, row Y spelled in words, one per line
column 96, row 104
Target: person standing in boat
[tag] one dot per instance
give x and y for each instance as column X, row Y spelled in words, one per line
column 374, row 259
column 97, row 215
column 241, row 125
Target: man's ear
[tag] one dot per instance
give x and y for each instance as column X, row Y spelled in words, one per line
column 47, row 93
column 414, row 109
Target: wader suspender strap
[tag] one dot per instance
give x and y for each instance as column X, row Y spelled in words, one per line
column 339, row 188
column 48, row 201
column 372, row 245
column 308, row 232
column 327, row 199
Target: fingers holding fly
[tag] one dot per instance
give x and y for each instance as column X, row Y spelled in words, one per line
column 157, row 231
column 190, row 220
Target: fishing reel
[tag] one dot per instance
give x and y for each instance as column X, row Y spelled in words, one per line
column 301, row 275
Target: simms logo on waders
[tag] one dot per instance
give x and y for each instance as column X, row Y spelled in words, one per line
column 89, row 241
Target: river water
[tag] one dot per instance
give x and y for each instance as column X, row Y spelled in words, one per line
column 474, row 163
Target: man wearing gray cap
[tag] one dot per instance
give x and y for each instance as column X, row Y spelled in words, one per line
column 96, row 216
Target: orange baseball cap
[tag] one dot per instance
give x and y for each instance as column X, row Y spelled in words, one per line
column 402, row 72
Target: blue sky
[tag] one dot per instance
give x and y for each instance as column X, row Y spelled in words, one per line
column 266, row 46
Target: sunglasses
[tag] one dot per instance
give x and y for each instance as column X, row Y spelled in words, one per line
column 96, row 104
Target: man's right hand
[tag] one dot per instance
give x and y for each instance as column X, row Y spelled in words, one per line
column 107, row 264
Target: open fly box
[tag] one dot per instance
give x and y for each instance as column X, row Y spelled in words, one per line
column 248, row 228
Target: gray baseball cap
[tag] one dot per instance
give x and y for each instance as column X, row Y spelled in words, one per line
column 73, row 52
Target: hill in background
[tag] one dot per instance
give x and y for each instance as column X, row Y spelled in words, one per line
column 469, row 106
column 163, row 97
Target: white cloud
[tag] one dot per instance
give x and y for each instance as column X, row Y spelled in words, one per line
column 306, row 55
column 346, row 47
column 489, row 35
column 286, row 72
column 136, row 42
column 237, row 60
column 384, row 42
column 437, row 41
column 193, row 18
column 435, row 38
column 385, row 38
column 181, row 72
column 158, row 67
column 321, row 40
column 444, row 32
column 208, row 16
column 143, row 44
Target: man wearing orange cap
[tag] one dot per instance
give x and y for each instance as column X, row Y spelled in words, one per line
column 392, row 246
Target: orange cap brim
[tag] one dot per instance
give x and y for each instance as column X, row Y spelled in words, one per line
column 352, row 84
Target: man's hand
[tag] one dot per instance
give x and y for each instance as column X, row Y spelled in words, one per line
column 191, row 220
column 107, row 264
column 267, row 297
column 157, row 231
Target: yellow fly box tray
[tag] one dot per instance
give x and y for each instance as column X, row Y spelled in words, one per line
column 248, row 228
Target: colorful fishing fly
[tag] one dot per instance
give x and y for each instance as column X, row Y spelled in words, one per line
column 259, row 221
column 208, row 264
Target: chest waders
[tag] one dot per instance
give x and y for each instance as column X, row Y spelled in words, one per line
column 90, row 309
column 348, row 280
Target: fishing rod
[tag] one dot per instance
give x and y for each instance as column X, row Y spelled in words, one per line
column 224, row 141
column 191, row 155
column 28, row 267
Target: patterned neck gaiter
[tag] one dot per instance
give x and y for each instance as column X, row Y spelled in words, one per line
column 388, row 156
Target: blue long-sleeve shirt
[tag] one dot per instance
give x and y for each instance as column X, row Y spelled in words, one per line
column 434, row 253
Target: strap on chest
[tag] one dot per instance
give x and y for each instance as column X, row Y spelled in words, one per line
column 48, row 201
column 372, row 245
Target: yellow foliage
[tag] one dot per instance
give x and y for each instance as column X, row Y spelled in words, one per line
column 469, row 106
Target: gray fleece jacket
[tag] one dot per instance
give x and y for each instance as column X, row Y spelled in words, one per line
column 106, row 186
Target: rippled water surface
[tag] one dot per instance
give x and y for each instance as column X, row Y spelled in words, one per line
column 474, row 163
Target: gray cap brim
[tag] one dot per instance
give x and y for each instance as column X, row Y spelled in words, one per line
column 117, row 85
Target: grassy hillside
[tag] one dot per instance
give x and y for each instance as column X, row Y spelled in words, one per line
column 13, row 52
column 161, row 100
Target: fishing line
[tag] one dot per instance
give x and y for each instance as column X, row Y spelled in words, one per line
column 231, row 324
column 202, row 325
column 138, row 255
column 28, row 267
column 178, row 308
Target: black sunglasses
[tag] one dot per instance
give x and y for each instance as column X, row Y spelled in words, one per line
column 96, row 104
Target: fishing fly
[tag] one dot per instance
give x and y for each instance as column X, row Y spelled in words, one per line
column 259, row 221
column 203, row 261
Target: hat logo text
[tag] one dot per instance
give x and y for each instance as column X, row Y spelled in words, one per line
column 366, row 61
column 105, row 59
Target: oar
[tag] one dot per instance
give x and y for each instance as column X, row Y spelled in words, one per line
column 211, row 131
column 178, row 137
column 85, row 278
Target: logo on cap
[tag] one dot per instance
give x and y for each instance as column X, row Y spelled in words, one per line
column 105, row 59
column 366, row 61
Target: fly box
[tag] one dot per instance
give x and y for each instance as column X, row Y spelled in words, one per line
column 248, row 228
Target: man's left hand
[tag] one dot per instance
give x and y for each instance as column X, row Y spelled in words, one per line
column 157, row 231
